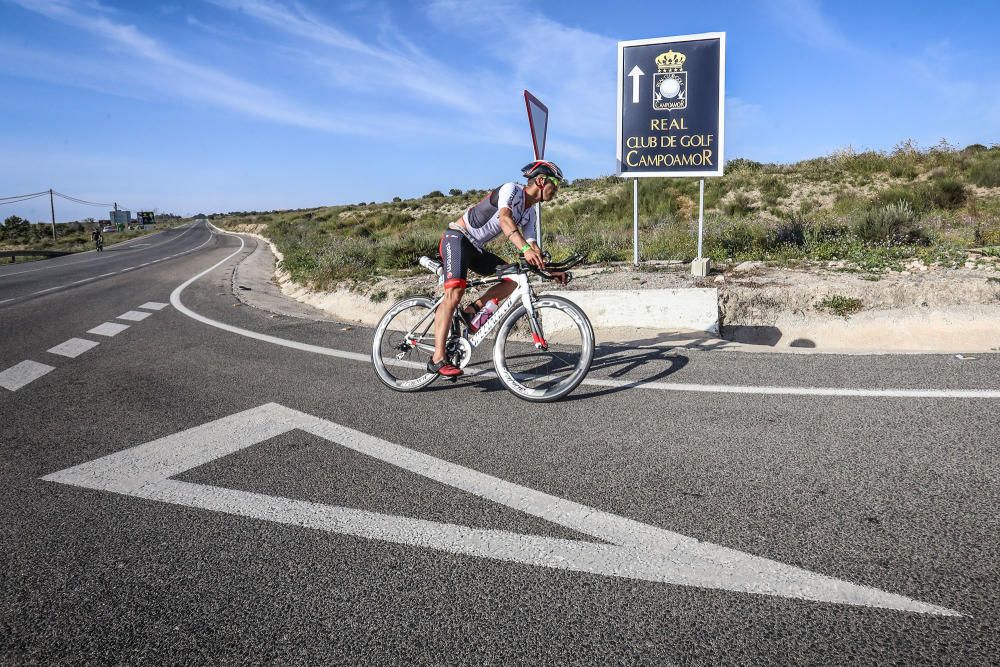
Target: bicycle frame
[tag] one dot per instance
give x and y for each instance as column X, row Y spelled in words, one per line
column 521, row 295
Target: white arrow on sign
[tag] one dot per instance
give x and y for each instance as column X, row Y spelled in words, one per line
column 627, row 549
column 635, row 74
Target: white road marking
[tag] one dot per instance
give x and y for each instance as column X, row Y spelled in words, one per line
column 175, row 300
column 133, row 316
column 105, row 275
column 154, row 305
column 21, row 374
column 74, row 347
column 109, row 329
column 635, row 550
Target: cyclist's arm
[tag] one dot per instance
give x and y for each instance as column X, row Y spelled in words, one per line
column 510, row 229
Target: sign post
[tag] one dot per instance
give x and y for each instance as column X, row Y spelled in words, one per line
column 538, row 122
column 671, row 95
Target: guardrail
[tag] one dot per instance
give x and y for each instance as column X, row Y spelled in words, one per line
column 32, row 253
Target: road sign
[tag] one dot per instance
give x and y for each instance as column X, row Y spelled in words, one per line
column 538, row 120
column 671, row 94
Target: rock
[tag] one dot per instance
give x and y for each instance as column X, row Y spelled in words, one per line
column 720, row 279
column 743, row 267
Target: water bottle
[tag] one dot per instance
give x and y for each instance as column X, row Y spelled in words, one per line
column 433, row 267
column 480, row 319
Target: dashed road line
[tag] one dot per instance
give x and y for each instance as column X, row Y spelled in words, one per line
column 74, row 347
column 109, row 329
column 21, row 374
column 133, row 316
column 154, row 305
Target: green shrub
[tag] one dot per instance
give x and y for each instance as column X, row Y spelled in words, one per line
column 985, row 172
column 791, row 232
column 840, row 305
column 744, row 165
column 432, row 194
column 739, row 205
column 739, row 239
column 891, row 222
column 773, row 188
column 947, row 193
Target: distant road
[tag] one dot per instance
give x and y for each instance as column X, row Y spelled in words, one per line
column 19, row 282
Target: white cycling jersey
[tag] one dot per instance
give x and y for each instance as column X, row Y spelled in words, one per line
column 482, row 221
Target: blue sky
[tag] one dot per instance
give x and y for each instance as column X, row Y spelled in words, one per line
column 222, row 105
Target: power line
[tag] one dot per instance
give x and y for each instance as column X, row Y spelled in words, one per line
column 10, row 200
column 33, row 194
column 80, row 201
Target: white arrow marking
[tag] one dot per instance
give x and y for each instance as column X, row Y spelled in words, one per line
column 635, row 74
column 634, row 550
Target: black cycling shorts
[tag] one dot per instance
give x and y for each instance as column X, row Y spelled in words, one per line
column 458, row 255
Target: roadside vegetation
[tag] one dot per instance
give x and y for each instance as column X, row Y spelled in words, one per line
column 866, row 211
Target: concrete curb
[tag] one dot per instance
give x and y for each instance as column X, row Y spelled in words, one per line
column 689, row 309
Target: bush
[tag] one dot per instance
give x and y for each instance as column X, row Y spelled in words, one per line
column 773, row 188
column 454, row 192
column 840, row 305
column 432, row 194
column 791, row 232
column 891, row 222
column 985, row 172
column 739, row 205
column 948, row 193
column 741, row 164
column 740, row 239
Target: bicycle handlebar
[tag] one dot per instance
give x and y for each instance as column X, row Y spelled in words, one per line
column 561, row 267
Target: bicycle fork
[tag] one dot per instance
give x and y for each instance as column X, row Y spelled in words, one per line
column 537, row 335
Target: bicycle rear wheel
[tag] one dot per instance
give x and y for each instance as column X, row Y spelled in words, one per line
column 403, row 341
column 543, row 375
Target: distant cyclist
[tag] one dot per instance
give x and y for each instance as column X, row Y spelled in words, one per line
column 507, row 210
column 98, row 238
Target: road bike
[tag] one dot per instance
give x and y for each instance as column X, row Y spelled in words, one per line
column 543, row 348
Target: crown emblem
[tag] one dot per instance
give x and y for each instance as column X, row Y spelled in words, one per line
column 671, row 60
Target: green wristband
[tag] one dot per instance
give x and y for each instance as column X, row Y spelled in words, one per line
column 526, row 248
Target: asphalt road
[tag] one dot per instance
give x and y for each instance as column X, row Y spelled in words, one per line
column 289, row 509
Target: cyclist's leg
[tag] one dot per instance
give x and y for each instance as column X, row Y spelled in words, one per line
column 485, row 264
column 454, row 258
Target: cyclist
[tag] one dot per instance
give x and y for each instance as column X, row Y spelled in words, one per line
column 507, row 210
column 98, row 238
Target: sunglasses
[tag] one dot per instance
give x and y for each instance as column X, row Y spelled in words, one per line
column 553, row 180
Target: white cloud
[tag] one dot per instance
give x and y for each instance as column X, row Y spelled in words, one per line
column 184, row 78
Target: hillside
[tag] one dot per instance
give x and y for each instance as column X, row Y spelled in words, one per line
column 869, row 212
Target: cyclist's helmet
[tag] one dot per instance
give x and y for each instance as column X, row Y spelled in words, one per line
column 542, row 168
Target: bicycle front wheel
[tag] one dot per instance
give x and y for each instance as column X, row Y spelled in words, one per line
column 543, row 375
column 403, row 341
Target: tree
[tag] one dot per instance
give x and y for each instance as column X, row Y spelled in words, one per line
column 16, row 229
column 454, row 192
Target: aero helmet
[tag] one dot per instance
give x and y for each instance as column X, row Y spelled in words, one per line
column 542, row 168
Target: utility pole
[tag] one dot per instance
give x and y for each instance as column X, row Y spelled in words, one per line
column 52, row 207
